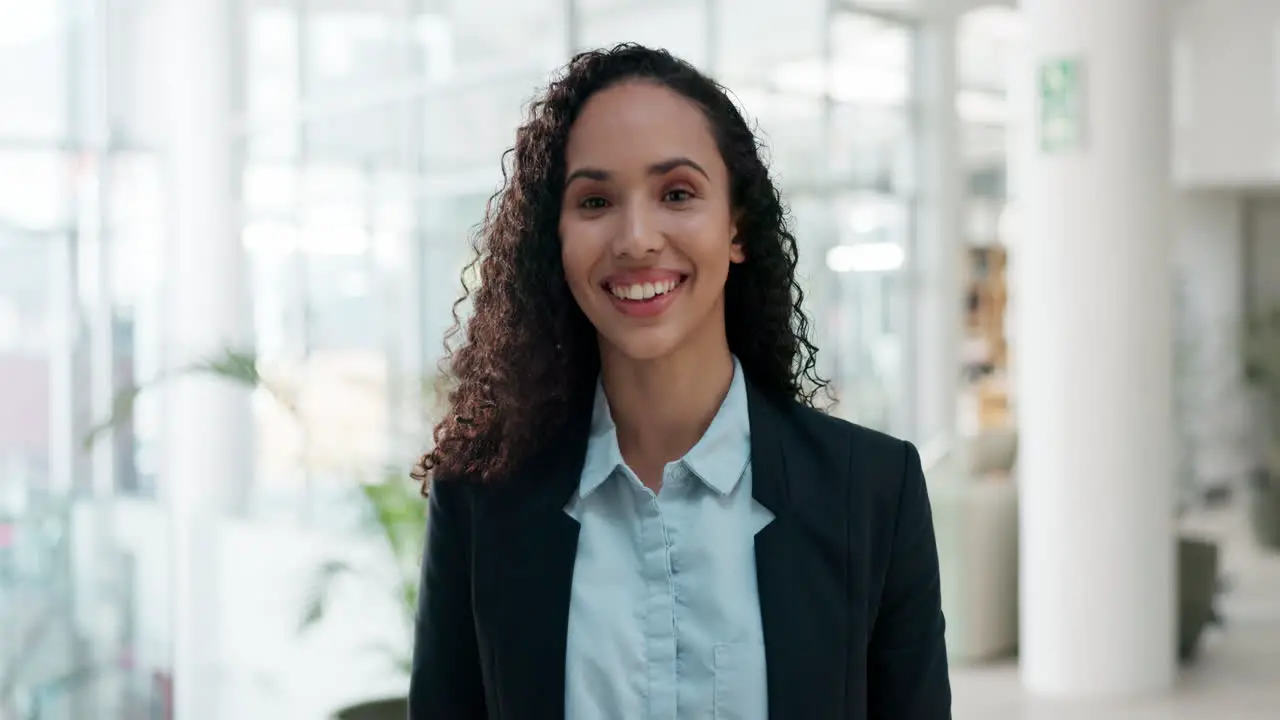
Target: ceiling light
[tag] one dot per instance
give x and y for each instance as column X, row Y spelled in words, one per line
column 865, row 257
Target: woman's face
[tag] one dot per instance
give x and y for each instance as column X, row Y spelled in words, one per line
column 646, row 227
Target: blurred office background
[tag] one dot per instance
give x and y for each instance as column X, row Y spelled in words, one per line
column 289, row 187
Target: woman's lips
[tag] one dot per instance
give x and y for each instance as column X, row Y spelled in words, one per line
column 644, row 294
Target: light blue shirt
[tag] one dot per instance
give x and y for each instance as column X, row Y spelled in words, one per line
column 664, row 618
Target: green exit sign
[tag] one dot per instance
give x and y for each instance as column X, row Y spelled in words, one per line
column 1061, row 85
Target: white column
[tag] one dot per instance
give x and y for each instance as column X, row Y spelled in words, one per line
column 206, row 444
column 1094, row 380
column 939, row 245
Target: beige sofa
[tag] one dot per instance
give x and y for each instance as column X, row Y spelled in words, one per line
column 975, row 506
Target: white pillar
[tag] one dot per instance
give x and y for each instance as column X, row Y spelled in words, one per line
column 939, row 245
column 1094, row 374
column 208, row 422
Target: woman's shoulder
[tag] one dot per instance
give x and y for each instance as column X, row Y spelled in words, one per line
column 860, row 444
column 841, row 472
column 845, row 462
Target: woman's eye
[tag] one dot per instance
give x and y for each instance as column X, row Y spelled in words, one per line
column 593, row 203
column 678, row 195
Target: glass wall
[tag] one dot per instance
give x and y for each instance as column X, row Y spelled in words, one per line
column 373, row 144
column 833, row 99
column 81, row 224
column 372, row 136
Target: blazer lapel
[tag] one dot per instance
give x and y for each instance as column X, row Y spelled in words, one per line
column 531, row 549
column 804, row 622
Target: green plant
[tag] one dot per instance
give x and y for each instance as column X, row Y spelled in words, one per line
column 395, row 511
column 397, row 517
column 1262, row 347
column 1262, row 372
column 238, row 367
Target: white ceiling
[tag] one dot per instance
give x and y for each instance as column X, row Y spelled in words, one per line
column 509, row 8
column 923, row 8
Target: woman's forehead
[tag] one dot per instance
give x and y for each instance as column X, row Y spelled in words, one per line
column 637, row 124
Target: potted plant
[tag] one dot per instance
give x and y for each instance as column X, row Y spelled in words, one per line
column 397, row 518
column 1262, row 371
column 394, row 510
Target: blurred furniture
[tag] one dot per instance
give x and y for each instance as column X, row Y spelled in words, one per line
column 975, row 508
column 1197, row 591
column 1264, row 508
column 974, row 493
column 990, row 452
column 1262, row 371
column 986, row 395
column 389, row 709
column 988, row 301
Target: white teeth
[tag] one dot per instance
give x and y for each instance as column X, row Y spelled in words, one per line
column 643, row 291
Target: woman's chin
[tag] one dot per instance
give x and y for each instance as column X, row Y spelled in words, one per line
column 640, row 344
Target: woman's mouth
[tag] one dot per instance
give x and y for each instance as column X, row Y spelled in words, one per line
column 647, row 298
column 644, row 291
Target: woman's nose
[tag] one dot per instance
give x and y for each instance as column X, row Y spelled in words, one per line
column 641, row 234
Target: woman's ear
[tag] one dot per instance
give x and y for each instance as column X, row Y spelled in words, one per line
column 736, row 253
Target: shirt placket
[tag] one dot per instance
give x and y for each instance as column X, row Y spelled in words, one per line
column 660, row 606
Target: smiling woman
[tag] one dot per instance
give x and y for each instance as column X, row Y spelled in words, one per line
column 635, row 509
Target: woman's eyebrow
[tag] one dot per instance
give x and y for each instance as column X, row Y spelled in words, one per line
column 658, row 168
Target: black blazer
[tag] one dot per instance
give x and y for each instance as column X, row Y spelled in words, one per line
column 847, row 571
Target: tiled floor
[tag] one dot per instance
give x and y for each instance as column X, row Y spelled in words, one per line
column 1236, row 676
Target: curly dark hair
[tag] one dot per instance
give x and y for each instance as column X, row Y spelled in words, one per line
column 529, row 351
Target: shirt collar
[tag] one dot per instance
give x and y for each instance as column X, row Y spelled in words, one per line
column 718, row 459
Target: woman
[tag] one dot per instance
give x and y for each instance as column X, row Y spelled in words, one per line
column 636, row 512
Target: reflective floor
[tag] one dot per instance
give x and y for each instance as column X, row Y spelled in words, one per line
column 1236, row 677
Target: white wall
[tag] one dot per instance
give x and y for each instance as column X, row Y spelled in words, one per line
column 1227, row 93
